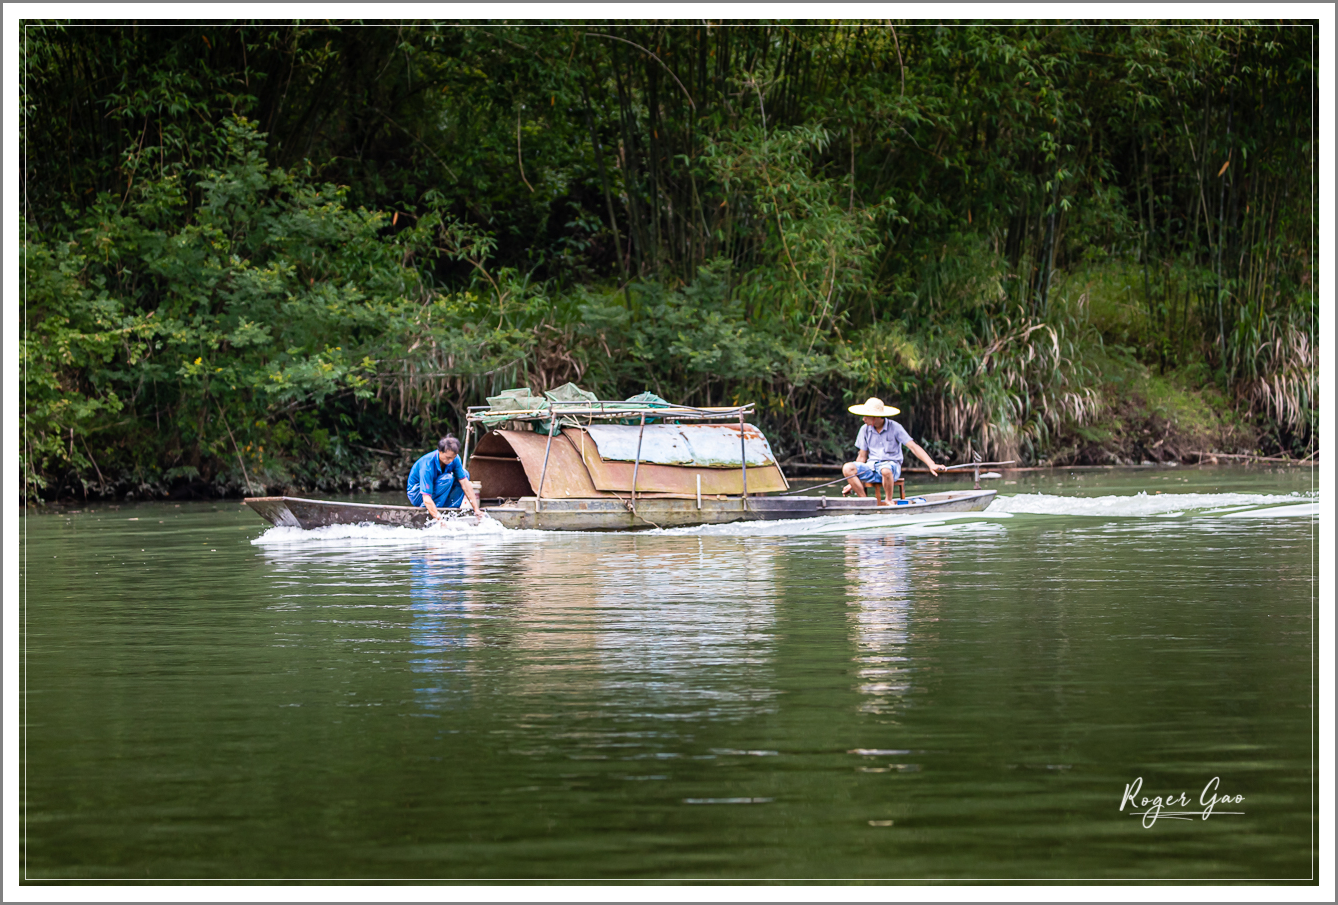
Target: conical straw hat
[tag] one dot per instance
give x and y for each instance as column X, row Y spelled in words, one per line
column 874, row 407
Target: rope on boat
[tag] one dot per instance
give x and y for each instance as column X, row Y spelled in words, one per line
column 632, row 509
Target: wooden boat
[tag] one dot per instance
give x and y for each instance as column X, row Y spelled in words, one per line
column 612, row 515
column 570, row 462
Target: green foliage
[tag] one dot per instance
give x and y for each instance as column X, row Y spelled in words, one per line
column 178, row 335
column 256, row 253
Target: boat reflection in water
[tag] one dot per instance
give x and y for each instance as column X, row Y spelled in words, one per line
column 615, row 625
column 700, row 637
column 882, row 605
column 671, row 627
column 440, row 588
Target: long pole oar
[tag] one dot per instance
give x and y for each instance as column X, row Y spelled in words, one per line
column 843, row 478
column 976, row 466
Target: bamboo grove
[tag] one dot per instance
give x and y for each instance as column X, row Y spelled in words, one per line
column 272, row 255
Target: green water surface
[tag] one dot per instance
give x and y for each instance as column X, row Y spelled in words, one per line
column 956, row 702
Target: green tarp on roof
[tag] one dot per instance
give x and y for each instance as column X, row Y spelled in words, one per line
column 649, row 399
column 522, row 399
column 521, row 404
column 570, row 392
column 517, row 400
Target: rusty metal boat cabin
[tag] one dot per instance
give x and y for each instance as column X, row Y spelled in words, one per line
column 601, row 463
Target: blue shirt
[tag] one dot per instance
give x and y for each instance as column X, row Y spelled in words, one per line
column 883, row 445
column 429, row 477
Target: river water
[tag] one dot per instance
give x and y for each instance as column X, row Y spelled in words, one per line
column 207, row 698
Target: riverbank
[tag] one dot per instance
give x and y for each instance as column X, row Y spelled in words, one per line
column 386, row 476
column 1139, row 417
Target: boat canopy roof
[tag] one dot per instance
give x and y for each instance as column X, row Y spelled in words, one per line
column 696, row 445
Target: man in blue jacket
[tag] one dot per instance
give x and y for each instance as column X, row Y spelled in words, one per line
column 439, row 481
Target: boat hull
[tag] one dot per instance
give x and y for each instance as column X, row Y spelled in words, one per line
column 603, row 514
column 296, row 512
column 617, row 515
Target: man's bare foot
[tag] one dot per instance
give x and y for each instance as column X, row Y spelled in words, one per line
column 884, row 502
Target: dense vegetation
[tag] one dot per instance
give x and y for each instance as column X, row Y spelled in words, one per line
column 282, row 255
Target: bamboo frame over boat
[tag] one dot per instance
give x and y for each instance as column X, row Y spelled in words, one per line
column 572, row 420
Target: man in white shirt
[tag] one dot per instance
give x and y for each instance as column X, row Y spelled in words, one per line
column 879, row 442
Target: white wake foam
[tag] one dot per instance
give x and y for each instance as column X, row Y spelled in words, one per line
column 451, row 531
column 834, row 524
column 1162, row 505
column 1141, row 505
column 1299, row 510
